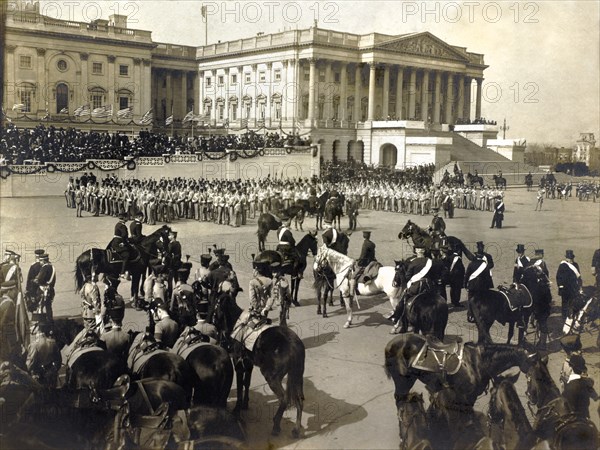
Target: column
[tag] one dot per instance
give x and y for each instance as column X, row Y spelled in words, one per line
column 311, row 89
column 372, row 72
column 269, row 105
column 168, row 96
column 214, row 98
column 425, row 95
column 146, row 80
column 81, row 96
column 329, row 92
column 343, row 91
column 478, row 100
column 460, row 107
column 399, row 93
column 412, row 93
column 183, row 108
column 240, row 105
column 357, row 99
column 196, row 94
column 111, row 80
column 42, row 89
column 137, row 89
column 254, row 77
column 385, row 110
column 467, row 104
column 10, row 83
column 437, row 100
column 284, row 94
column 449, row 98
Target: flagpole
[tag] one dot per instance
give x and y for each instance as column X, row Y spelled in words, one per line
column 172, row 119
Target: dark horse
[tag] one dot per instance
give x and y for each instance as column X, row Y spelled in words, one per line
column 412, row 420
column 334, row 210
column 421, row 237
column 278, row 351
column 297, row 268
column 426, row 312
column 500, row 182
column 492, row 305
column 97, row 368
column 95, row 261
column 480, row 363
column 268, row 222
column 474, row 179
column 554, row 420
column 324, row 284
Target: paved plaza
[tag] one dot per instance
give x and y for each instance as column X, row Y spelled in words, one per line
column 349, row 401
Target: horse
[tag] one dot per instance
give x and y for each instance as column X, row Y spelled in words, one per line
column 585, row 309
column 480, row 363
column 319, row 209
column 324, row 282
column 426, row 312
column 269, row 222
column 474, row 179
column 422, row 238
column 412, row 421
column 554, row 420
column 95, row 261
column 343, row 266
column 334, row 210
column 278, row 351
column 538, row 285
column 295, row 270
column 507, row 415
column 96, row 367
column 500, row 182
column 11, row 346
column 213, row 368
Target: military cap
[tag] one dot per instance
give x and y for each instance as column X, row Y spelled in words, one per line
column 45, row 257
column 366, row 234
column 39, row 252
column 539, row 251
column 569, row 254
column 122, row 216
column 205, row 258
column 173, row 233
column 520, row 248
column 159, row 304
column 578, row 364
column 261, row 259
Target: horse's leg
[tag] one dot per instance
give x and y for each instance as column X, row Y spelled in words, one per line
column 329, row 292
column 239, row 376
column 347, row 304
column 325, row 301
column 274, row 382
column 511, row 331
column 247, row 378
column 318, row 292
column 483, row 328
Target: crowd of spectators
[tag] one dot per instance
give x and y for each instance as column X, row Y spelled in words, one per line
column 478, row 121
column 339, row 171
column 50, row 144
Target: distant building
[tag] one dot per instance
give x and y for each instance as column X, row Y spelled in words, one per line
column 585, row 150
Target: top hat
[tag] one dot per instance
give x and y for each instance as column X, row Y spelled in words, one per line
column 569, row 254
column 366, row 234
column 480, row 244
column 520, row 248
column 539, row 251
column 219, row 252
column 205, row 258
column 578, row 364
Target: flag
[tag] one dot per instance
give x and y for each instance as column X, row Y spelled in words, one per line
column 102, row 112
column 83, row 110
column 147, row 118
column 22, row 321
column 19, row 107
column 169, row 120
column 63, row 111
column 125, row 113
column 189, row 117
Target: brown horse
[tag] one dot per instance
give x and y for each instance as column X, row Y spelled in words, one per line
column 480, row 363
column 278, row 352
column 412, row 420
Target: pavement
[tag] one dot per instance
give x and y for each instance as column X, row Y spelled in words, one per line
column 348, row 399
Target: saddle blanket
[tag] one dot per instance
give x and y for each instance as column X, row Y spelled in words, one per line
column 439, row 358
column 517, row 296
column 246, row 333
column 370, row 272
column 138, row 358
column 80, row 351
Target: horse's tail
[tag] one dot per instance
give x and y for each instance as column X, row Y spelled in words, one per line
column 294, row 392
column 79, row 281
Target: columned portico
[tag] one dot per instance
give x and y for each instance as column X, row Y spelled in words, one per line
column 399, row 92
column 437, row 101
column 424, row 95
column 449, row 98
column 372, row 80
column 412, row 93
column 343, row 91
column 467, row 104
column 386, row 91
column 357, row 81
column 312, row 84
column 478, row 100
column 460, row 106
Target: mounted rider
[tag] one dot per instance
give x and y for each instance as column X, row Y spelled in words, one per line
column 121, row 246
column 136, row 229
column 538, row 261
column 438, row 226
column 34, row 269
column 46, row 280
column 367, row 256
column 287, row 243
column 521, row 262
column 115, row 338
column 10, row 275
column 478, row 277
column 419, row 281
column 43, row 355
column 260, row 289
column 182, row 306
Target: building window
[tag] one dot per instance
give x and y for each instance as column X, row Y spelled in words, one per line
column 123, row 70
column 278, row 110
column 262, row 110
column 233, row 109
column 123, row 102
column 306, row 73
column 247, row 78
column 322, row 75
column 234, row 78
column 97, row 68
column 336, row 77
column 278, row 75
column 26, row 98
column 221, row 80
column 62, row 65
column 96, row 98
column 24, row 62
column 62, row 98
column 208, row 81
column 221, row 112
column 262, row 76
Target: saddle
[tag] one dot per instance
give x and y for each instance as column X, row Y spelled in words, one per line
column 437, row 357
column 517, row 296
column 189, row 340
column 115, row 396
column 113, row 256
column 370, row 272
column 141, row 351
column 248, row 329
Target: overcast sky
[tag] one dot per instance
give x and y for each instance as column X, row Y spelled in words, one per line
column 543, row 56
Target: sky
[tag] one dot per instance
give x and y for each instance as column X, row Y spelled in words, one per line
column 543, row 57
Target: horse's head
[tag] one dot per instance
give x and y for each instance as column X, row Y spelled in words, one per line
column 400, row 274
column 538, row 381
column 312, row 242
column 321, row 258
column 406, row 232
column 502, row 398
column 226, row 312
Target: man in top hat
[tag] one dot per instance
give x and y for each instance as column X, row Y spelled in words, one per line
column 456, row 274
column 438, row 226
column 367, row 255
column 478, row 276
column 166, row 330
column 136, row 229
column 521, row 262
column 538, row 261
column 498, row 213
column 182, row 299
column 46, row 280
column 287, row 243
column 579, row 388
column 568, row 280
column 43, row 355
column 120, row 244
column 596, row 267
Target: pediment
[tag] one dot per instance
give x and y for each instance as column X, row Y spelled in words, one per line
column 423, row 44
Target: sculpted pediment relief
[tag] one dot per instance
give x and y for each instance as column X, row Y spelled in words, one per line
column 424, row 44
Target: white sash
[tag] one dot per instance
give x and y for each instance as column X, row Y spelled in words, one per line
column 418, row 276
column 454, row 261
column 538, row 262
column 499, row 206
column 480, row 269
column 11, row 272
column 519, row 263
column 281, row 232
column 572, row 267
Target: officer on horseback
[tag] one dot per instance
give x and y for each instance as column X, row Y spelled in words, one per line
column 182, row 301
column 46, row 280
column 120, row 244
column 367, row 256
column 478, row 277
column 287, row 243
column 521, row 262
column 260, row 287
column 43, row 355
column 136, row 229
column 34, row 269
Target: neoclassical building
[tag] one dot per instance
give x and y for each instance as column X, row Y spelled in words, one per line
column 384, row 99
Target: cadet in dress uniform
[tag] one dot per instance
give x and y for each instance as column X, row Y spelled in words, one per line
column 43, row 355
column 46, row 280
column 568, row 279
column 259, row 288
column 521, row 262
column 166, row 330
column 498, row 213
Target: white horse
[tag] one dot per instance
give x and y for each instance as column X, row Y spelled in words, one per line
column 342, row 265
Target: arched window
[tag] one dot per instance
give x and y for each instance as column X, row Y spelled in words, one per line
column 97, row 97
column 125, row 98
column 26, row 96
column 62, row 98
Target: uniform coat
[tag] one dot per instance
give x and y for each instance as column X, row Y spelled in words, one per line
column 166, row 331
